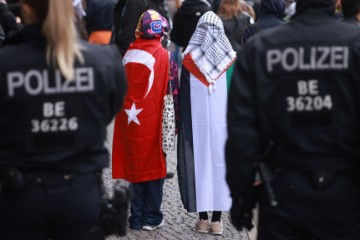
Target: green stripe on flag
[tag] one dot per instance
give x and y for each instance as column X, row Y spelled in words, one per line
column 229, row 74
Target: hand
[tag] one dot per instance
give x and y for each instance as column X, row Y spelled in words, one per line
column 241, row 216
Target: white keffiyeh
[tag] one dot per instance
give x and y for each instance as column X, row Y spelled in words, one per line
column 210, row 49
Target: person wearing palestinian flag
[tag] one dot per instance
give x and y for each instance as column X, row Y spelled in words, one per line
column 137, row 154
column 202, row 124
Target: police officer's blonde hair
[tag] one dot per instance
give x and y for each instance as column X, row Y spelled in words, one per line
column 58, row 27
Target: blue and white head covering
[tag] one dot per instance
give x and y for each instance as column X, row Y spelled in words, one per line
column 209, row 47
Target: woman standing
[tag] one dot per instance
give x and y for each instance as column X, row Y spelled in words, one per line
column 202, row 127
column 57, row 95
column 138, row 156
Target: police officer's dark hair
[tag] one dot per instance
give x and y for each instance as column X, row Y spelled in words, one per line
column 350, row 7
column 58, row 27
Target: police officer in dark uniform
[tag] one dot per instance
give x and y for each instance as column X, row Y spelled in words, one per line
column 294, row 100
column 57, row 95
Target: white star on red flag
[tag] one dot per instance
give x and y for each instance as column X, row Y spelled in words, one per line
column 132, row 114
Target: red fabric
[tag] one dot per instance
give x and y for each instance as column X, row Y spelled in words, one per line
column 137, row 154
column 189, row 64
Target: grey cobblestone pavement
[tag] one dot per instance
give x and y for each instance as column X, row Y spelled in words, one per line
column 178, row 223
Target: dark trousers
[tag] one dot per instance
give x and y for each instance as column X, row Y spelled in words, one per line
column 306, row 213
column 146, row 201
column 55, row 208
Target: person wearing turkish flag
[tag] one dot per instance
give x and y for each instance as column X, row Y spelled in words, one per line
column 137, row 145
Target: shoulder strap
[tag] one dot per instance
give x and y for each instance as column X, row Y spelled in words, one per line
column 255, row 28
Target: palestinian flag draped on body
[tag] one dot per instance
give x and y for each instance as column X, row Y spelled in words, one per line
column 137, row 154
column 202, row 128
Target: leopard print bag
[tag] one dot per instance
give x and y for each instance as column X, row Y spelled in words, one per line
column 168, row 122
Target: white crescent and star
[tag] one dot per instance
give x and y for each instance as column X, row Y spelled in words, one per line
column 132, row 114
column 143, row 57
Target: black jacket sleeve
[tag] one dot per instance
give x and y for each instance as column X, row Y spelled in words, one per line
column 10, row 26
column 133, row 11
column 185, row 21
column 243, row 127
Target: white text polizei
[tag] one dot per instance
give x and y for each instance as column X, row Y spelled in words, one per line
column 311, row 58
column 36, row 82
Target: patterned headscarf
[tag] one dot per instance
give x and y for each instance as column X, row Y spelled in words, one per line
column 151, row 25
column 210, row 49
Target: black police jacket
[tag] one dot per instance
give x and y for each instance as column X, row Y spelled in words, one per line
column 49, row 123
column 298, row 85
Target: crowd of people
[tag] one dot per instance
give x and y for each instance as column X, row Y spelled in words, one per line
column 261, row 95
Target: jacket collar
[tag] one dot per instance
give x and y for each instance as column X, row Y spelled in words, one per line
column 31, row 34
column 274, row 8
column 314, row 15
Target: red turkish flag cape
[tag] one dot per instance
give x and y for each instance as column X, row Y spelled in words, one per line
column 137, row 154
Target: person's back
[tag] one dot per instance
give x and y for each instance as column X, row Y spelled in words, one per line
column 36, row 81
column 202, row 124
column 288, row 52
column 125, row 28
column 185, row 20
column 272, row 14
column 234, row 22
column 126, row 16
column 137, row 152
column 302, row 96
column 234, row 29
column 56, row 102
column 99, row 20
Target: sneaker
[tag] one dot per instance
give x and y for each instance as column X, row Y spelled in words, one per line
column 152, row 228
column 216, row 228
column 202, row 226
